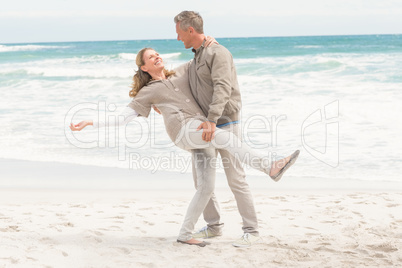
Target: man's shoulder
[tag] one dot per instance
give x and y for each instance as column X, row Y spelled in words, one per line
column 217, row 49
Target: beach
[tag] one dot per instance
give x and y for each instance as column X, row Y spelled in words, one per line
column 131, row 218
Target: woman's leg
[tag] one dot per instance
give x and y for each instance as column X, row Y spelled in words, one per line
column 190, row 138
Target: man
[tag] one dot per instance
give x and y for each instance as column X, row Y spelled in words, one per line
column 213, row 81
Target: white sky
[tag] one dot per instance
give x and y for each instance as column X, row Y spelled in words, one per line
column 24, row 21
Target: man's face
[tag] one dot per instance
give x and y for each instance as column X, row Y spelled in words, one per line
column 184, row 36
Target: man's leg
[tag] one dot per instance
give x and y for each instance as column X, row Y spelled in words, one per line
column 212, row 210
column 237, row 182
column 205, row 185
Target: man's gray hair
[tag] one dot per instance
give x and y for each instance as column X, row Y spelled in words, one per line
column 190, row 19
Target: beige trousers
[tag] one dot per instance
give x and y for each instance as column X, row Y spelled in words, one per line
column 228, row 143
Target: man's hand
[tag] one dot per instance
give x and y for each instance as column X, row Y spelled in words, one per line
column 156, row 109
column 209, row 130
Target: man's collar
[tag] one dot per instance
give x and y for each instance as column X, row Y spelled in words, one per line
column 202, row 46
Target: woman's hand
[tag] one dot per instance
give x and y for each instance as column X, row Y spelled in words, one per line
column 80, row 125
column 209, row 40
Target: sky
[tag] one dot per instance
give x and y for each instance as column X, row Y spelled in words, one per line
column 27, row 21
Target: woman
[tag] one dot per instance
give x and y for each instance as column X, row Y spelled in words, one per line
column 170, row 92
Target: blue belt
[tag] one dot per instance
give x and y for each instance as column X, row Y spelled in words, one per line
column 222, row 125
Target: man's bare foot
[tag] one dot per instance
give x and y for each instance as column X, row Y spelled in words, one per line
column 194, row 242
column 278, row 165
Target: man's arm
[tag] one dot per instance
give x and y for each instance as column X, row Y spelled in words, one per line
column 220, row 64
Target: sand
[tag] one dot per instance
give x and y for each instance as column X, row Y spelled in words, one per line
column 62, row 226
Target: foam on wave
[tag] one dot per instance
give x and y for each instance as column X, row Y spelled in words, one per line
column 6, row 48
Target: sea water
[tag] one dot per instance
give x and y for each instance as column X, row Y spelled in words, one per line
column 336, row 98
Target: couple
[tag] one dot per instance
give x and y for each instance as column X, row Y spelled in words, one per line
column 200, row 105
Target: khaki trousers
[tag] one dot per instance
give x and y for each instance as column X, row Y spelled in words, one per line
column 228, row 144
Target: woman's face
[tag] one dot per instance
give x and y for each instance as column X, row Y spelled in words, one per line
column 153, row 62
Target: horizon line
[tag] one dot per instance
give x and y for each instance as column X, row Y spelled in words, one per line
column 158, row 39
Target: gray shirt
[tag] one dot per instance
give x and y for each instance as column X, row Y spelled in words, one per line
column 214, row 84
column 172, row 97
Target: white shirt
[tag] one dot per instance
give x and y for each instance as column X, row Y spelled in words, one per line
column 125, row 117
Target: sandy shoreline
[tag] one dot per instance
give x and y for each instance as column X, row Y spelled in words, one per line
column 22, row 174
column 137, row 226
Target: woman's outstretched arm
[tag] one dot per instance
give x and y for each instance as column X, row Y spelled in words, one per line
column 125, row 117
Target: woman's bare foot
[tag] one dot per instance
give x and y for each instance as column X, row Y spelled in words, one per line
column 278, row 165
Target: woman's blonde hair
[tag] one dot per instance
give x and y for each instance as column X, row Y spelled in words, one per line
column 142, row 78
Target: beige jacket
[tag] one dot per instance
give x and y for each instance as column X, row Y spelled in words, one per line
column 214, row 84
column 173, row 98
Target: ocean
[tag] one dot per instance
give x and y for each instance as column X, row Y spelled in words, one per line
column 336, row 98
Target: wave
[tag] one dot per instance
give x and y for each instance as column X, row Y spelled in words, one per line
column 341, row 63
column 103, row 72
column 61, row 71
column 91, row 66
column 171, row 55
column 132, row 56
column 6, row 48
column 127, row 56
column 308, row 46
column 122, row 65
column 68, row 70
